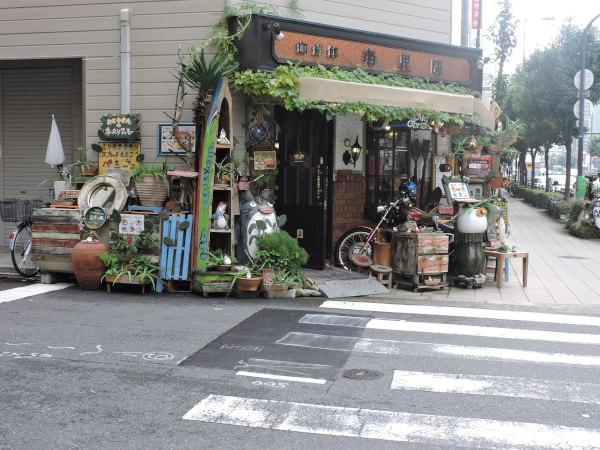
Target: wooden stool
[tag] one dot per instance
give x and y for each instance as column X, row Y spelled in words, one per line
column 502, row 264
column 383, row 274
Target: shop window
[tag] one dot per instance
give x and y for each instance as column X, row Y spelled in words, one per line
column 387, row 165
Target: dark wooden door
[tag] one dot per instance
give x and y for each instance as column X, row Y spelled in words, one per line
column 304, row 184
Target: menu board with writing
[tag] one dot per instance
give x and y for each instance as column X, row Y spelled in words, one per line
column 118, row 158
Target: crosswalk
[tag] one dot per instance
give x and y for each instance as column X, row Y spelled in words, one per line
column 535, row 362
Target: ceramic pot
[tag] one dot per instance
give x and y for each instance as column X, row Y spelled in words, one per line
column 151, row 190
column 275, row 286
column 267, row 275
column 469, row 257
column 472, row 221
column 88, row 268
column 248, row 284
column 88, row 171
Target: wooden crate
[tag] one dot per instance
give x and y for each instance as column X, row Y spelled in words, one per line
column 54, row 234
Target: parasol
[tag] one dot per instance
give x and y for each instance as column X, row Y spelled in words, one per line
column 55, row 154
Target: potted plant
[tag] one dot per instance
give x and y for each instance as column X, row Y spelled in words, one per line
column 223, row 172
column 245, row 279
column 83, row 166
column 151, row 184
column 62, row 184
column 220, row 260
column 63, row 201
column 279, row 281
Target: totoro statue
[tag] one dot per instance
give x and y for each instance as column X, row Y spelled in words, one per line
column 251, row 211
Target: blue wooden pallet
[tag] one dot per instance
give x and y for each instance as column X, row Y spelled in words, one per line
column 175, row 259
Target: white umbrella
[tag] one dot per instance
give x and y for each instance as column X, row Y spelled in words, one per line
column 55, row 154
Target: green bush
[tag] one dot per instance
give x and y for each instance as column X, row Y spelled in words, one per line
column 280, row 251
column 582, row 231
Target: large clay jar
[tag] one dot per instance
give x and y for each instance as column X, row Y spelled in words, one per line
column 469, row 257
column 88, row 268
column 248, row 284
column 151, row 190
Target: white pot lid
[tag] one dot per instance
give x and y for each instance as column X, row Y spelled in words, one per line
column 104, row 191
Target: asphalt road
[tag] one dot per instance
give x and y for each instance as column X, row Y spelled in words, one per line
column 87, row 369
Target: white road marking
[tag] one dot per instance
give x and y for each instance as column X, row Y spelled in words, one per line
column 525, row 316
column 492, row 332
column 10, row 295
column 281, row 377
column 529, row 388
column 388, row 347
column 388, row 425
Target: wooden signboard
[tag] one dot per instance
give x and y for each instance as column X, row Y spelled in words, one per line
column 119, row 127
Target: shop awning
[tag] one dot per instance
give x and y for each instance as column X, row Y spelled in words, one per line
column 344, row 91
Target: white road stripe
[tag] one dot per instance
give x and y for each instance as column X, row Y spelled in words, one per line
column 388, row 347
column 529, row 388
column 493, row 332
column 387, row 425
column 27, row 291
column 464, row 312
column 281, row 377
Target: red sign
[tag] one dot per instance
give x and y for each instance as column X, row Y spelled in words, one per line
column 475, row 14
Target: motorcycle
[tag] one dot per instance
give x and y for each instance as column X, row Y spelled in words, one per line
column 359, row 241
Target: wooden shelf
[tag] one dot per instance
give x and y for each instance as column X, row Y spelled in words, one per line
column 220, row 230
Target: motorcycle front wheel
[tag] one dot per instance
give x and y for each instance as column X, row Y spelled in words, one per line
column 350, row 243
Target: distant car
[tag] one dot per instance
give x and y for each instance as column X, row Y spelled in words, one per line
column 540, row 182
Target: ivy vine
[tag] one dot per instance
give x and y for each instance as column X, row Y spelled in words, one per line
column 282, row 84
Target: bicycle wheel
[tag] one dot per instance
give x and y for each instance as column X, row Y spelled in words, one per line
column 20, row 250
column 349, row 244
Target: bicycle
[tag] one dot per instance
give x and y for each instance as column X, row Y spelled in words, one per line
column 16, row 210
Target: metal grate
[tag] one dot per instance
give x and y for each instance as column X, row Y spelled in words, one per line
column 573, row 257
column 362, row 374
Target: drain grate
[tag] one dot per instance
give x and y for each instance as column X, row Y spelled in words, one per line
column 361, row 374
column 573, row 257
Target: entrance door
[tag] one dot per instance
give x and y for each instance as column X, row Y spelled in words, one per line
column 306, row 145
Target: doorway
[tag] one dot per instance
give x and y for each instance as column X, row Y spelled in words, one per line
column 304, row 180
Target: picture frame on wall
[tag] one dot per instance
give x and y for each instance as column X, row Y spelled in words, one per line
column 167, row 145
column 265, row 160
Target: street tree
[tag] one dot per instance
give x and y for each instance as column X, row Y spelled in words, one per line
column 503, row 34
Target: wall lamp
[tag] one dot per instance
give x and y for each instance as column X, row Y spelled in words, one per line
column 353, row 154
column 276, row 28
column 482, row 62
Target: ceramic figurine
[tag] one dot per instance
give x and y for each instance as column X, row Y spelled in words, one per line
column 250, row 212
column 220, row 220
column 223, row 137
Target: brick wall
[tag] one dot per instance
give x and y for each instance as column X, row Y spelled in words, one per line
column 349, row 196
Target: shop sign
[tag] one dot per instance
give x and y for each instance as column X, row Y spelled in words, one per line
column 131, row 224
column 420, row 123
column 475, row 12
column 118, row 158
column 315, row 49
column 119, row 127
column 94, row 218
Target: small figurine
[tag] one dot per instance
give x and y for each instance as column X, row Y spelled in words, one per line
column 222, row 137
column 220, row 218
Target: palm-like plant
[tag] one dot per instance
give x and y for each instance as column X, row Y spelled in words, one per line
column 203, row 76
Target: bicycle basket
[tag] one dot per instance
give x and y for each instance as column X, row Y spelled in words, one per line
column 17, row 210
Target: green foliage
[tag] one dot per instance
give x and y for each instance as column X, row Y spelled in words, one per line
column 283, row 82
column 503, row 34
column 83, row 161
column 223, row 169
column 594, row 146
column 201, row 75
column 583, row 232
column 217, row 258
column 280, row 251
column 157, row 171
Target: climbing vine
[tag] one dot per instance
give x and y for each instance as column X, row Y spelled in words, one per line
column 283, row 82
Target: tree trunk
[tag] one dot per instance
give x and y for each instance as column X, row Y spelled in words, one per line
column 546, row 159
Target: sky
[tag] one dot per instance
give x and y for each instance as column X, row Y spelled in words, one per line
column 532, row 28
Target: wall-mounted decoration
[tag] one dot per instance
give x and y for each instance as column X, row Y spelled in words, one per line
column 259, row 129
column 265, row 160
column 167, row 145
column 475, row 190
column 119, row 127
column 131, row 224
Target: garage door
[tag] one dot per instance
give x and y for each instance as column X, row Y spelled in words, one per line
column 28, row 98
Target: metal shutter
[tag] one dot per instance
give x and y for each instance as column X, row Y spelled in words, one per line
column 28, row 98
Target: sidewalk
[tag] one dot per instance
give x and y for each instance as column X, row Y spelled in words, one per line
column 563, row 270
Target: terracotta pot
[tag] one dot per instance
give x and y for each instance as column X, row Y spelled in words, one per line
column 248, row 284
column 88, row 171
column 275, row 286
column 267, row 275
column 88, row 268
column 64, row 202
column 151, row 190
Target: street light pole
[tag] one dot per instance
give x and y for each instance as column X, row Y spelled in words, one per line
column 582, row 98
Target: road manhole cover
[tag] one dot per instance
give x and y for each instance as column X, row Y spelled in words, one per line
column 362, row 374
column 573, row 257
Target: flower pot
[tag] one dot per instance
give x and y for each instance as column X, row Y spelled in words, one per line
column 222, row 267
column 248, row 284
column 88, row 268
column 275, row 286
column 267, row 275
column 472, row 221
column 60, row 186
column 64, row 202
column 88, row 171
column 151, row 190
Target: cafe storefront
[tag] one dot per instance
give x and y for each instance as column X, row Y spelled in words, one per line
column 326, row 183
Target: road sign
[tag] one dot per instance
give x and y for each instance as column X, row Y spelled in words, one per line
column 588, row 79
column 587, row 108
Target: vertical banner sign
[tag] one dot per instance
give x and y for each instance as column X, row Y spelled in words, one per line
column 474, row 14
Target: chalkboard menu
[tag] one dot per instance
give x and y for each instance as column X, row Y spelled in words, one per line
column 119, row 127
